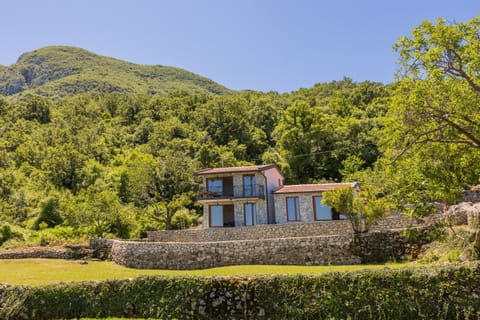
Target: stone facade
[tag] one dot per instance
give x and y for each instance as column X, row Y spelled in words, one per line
column 238, row 203
column 305, row 201
column 266, row 179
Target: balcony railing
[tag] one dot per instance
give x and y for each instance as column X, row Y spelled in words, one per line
column 254, row 191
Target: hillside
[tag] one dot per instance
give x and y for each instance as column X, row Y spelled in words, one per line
column 59, row 71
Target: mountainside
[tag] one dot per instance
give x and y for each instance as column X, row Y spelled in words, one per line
column 59, row 71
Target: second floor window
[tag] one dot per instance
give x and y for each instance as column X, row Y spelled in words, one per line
column 293, row 209
column 215, row 186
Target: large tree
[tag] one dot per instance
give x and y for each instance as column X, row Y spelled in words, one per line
column 432, row 135
column 437, row 97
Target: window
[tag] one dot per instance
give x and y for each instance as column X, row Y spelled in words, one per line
column 214, row 186
column 216, row 216
column 320, row 210
column 250, row 214
column 249, row 185
column 293, row 209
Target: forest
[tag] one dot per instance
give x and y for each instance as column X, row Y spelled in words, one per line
column 118, row 164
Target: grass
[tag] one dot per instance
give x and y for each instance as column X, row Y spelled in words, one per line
column 36, row 272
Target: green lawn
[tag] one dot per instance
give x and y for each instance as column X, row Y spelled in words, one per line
column 46, row 271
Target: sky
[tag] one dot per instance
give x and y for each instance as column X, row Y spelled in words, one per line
column 265, row 45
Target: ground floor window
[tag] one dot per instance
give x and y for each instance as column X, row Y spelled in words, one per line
column 293, row 209
column 216, row 216
column 321, row 211
column 250, row 214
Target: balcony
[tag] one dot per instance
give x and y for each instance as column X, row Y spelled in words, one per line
column 235, row 192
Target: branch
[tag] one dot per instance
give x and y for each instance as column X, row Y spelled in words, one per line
column 475, row 141
column 416, row 140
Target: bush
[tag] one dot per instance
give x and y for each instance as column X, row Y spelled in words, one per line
column 434, row 293
column 49, row 215
column 6, row 233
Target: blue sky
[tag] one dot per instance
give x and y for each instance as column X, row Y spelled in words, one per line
column 265, row 45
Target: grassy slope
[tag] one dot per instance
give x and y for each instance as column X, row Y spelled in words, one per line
column 60, row 71
column 47, row 271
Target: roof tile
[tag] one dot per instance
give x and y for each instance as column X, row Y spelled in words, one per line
column 302, row 188
column 210, row 171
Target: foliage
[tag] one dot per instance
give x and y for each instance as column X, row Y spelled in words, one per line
column 121, row 165
column 431, row 131
column 361, row 207
column 49, row 215
column 433, row 293
column 457, row 245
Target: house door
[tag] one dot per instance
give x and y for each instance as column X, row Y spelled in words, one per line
column 228, row 215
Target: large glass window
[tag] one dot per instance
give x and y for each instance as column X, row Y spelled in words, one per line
column 250, row 214
column 216, row 216
column 321, row 211
column 249, row 185
column 293, row 209
column 214, row 186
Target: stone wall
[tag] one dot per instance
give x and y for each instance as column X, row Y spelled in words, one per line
column 288, row 230
column 379, row 246
column 69, row 252
column 319, row 250
column 471, row 196
column 270, row 231
column 101, row 248
column 319, row 243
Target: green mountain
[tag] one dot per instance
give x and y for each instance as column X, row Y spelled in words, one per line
column 59, row 71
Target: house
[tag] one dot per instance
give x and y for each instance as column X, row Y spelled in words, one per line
column 255, row 195
column 239, row 196
column 303, row 202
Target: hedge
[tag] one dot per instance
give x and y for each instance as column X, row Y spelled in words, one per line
column 451, row 292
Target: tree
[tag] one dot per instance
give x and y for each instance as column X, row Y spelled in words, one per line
column 431, row 137
column 361, row 208
column 37, row 108
column 49, row 214
column 436, row 100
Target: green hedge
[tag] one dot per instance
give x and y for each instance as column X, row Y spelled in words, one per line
column 432, row 293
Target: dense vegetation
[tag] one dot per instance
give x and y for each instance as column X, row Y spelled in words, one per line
column 124, row 164
column 60, row 71
column 437, row 293
column 96, row 163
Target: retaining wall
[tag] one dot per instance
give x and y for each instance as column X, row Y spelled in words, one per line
column 319, row 250
column 319, row 243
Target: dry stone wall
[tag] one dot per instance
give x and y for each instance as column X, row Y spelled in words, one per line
column 319, row 250
column 319, row 243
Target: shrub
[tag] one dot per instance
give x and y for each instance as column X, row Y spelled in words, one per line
column 435, row 293
column 49, row 215
column 6, row 233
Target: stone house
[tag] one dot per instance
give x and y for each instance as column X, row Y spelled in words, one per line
column 239, row 196
column 255, row 195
